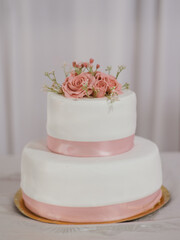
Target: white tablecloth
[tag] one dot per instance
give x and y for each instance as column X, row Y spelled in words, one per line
column 164, row 224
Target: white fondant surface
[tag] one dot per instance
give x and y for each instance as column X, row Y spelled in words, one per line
column 89, row 120
column 88, row 182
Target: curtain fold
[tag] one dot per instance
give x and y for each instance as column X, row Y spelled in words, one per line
column 38, row 36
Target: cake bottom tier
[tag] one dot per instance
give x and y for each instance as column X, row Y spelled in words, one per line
column 93, row 214
column 96, row 189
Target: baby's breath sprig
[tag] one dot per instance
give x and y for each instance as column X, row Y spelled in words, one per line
column 108, row 69
column 51, row 89
column 120, row 68
column 55, row 87
column 113, row 96
column 51, row 76
column 66, row 72
column 125, row 86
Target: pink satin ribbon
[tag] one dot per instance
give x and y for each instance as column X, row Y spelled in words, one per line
column 90, row 149
column 92, row 214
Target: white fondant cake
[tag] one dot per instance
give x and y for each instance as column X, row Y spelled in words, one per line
column 90, row 182
column 91, row 120
column 75, row 188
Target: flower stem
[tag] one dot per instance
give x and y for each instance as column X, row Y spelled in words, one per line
column 120, row 68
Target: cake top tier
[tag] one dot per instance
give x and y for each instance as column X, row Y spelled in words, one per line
column 91, row 120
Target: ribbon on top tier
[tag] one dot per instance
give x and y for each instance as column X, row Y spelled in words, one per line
column 90, row 149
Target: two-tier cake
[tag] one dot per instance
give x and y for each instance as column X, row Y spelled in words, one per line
column 92, row 168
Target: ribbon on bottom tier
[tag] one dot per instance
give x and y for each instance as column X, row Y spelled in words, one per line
column 90, row 149
column 92, row 214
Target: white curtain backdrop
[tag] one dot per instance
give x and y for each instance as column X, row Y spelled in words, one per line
column 38, row 35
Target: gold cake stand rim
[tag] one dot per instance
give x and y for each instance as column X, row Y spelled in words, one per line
column 19, row 203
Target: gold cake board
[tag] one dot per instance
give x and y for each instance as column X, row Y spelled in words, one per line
column 18, row 200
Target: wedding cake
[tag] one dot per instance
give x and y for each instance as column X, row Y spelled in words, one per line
column 92, row 167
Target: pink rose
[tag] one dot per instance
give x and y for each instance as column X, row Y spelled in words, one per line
column 100, row 87
column 101, row 76
column 112, row 84
column 78, row 86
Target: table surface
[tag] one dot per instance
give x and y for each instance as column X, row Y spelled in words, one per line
column 163, row 224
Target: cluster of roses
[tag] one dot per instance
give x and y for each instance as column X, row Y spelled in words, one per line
column 93, row 83
column 83, row 80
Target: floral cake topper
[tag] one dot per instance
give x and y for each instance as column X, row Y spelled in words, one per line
column 85, row 80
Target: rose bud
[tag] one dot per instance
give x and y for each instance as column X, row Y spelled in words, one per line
column 85, row 65
column 74, row 64
column 78, row 66
column 91, row 60
column 97, row 66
